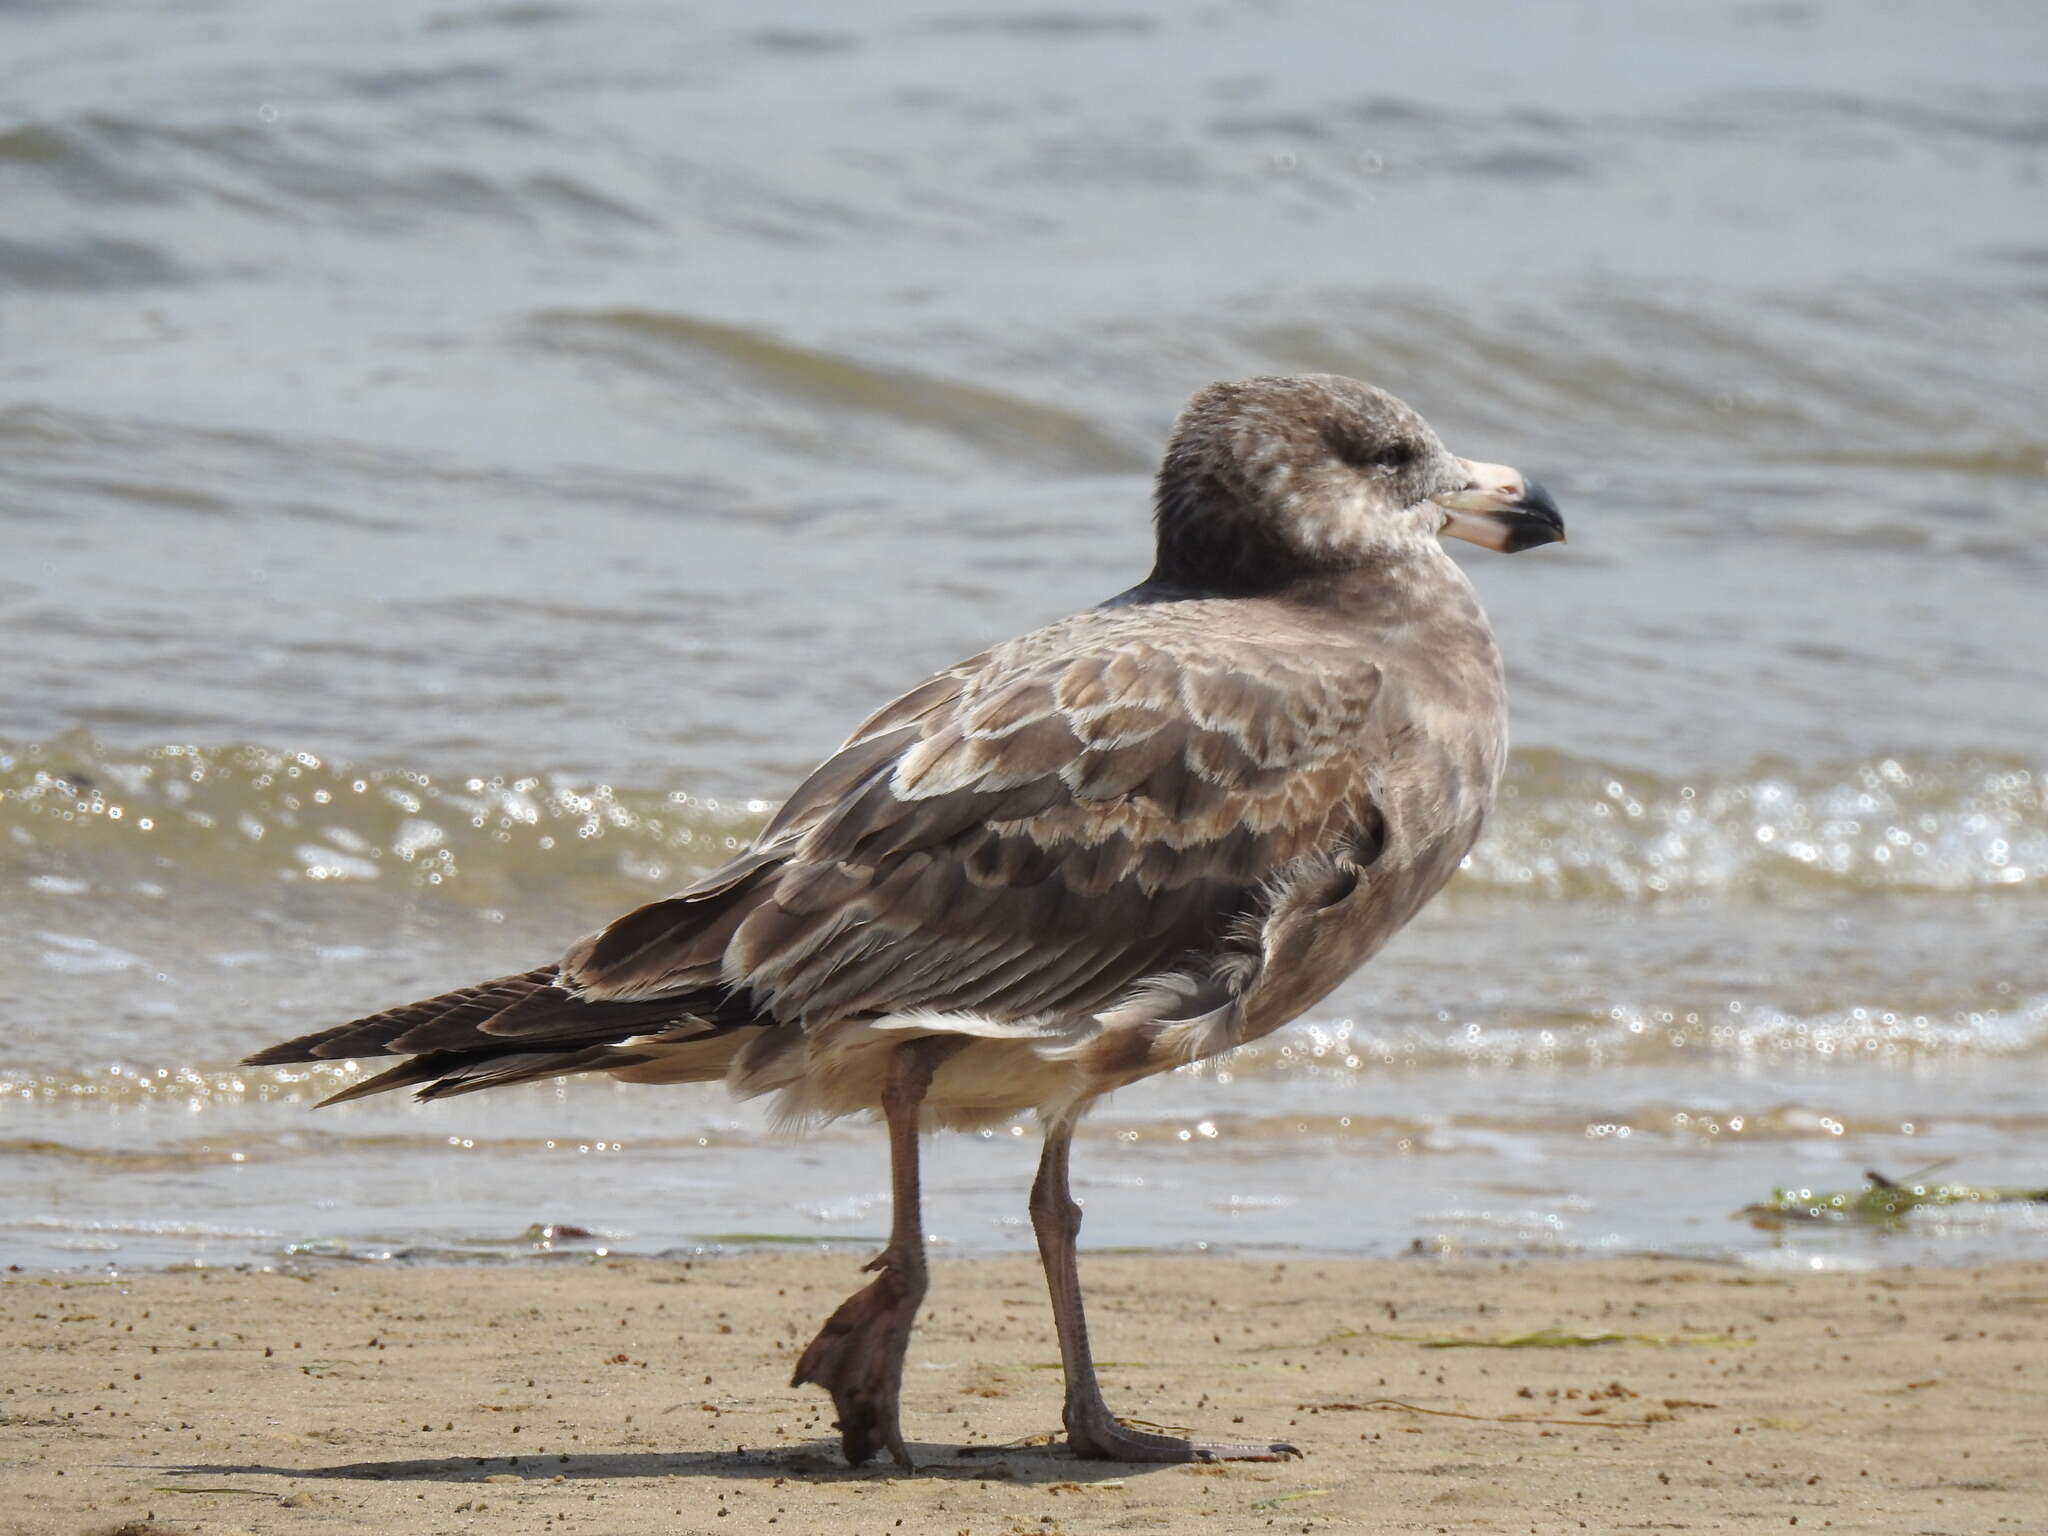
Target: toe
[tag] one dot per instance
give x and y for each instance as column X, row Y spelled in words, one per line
column 1274, row 1450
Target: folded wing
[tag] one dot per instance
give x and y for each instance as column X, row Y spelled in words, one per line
column 1027, row 836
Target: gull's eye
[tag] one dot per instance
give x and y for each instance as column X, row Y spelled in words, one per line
column 1369, row 453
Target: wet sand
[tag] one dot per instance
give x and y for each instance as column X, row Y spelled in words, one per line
column 617, row 1396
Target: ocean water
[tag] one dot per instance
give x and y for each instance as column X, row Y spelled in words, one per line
column 460, row 463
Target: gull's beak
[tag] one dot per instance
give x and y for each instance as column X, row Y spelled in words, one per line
column 1501, row 508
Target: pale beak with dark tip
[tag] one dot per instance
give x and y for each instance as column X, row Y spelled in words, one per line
column 1501, row 508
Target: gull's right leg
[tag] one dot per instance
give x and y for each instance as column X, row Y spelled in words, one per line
column 1092, row 1430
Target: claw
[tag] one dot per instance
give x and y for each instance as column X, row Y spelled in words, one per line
column 1102, row 1437
column 1279, row 1450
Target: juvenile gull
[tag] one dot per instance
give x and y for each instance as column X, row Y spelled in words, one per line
column 1134, row 838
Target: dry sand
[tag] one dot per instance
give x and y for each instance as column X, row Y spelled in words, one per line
column 643, row 1396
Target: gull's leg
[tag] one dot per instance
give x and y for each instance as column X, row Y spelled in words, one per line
column 1093, row 1431
column 858, row 1354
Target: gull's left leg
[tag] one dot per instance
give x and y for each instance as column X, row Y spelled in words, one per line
column 1092, row 1430
column 858, row 1354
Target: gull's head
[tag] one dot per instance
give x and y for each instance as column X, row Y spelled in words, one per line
column 1273, row 478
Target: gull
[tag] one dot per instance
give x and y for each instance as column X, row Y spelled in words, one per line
column 1135, row 838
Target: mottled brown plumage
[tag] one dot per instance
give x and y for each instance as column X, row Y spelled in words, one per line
column 1133, row 838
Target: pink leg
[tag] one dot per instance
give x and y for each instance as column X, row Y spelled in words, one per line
column 858, row 1354
column 1093, row 1431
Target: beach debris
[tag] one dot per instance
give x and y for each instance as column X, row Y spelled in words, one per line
column 1290, row 1498
column 320, row 1248
column 1031, row 1442
column 1564, row 1338
column 242, row 1493
column 545, row 1234
column 1881, row 1202
column 1396, row 1405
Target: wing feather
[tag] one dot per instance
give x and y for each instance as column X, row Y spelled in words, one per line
column 1103, row 806
column 1031, row 833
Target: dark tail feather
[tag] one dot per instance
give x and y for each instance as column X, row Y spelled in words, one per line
column 665, row 959
column 513, row 1029
column 375, row 1034
column 527, row 1012
column 419, row 1069
column 529, row 1067
column 447, row 1073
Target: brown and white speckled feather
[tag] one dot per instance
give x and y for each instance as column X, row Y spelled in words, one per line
column 1133, row 838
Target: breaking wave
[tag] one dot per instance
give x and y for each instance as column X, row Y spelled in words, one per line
column 91, row 818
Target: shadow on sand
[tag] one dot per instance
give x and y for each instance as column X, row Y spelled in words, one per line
column 815, row 1461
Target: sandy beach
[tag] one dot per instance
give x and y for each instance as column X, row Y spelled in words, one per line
column 629, row 1396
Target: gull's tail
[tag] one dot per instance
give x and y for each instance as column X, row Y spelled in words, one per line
column 509, row 1030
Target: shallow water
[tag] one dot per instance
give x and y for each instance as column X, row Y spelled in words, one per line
column 458, row 466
